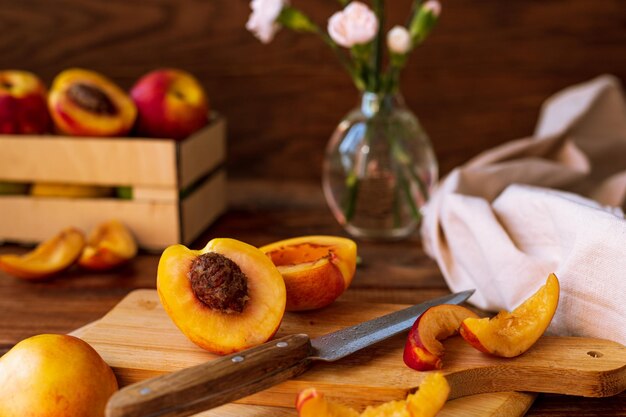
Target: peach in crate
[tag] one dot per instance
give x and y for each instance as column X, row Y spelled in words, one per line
column 177, row 188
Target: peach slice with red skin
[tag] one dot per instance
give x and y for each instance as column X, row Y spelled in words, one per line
column 423, row 350
column 109, row 245
column 316, row 269
column 426, row 402
column 85, row 103
column 47, row 259
column 225, row 297
column 511, row 334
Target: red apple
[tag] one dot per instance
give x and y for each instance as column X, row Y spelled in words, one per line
column 423, row 350
column 23, row 108
column 510, row 334
column 171, row 104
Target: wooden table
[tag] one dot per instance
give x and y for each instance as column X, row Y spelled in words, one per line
column 260, row 213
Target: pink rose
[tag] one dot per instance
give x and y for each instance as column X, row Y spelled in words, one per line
column 262, row 21
column 399, row 40
column 433, row 6
column 355, row 25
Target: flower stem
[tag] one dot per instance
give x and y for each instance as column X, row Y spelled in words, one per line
column 376, row 75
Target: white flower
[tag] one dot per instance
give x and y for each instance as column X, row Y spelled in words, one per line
column 432, row 6
column 399, row 40
column 262, row 21
column 355, row 25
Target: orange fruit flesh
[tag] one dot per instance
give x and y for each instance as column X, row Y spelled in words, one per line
column 48, row 258
column 429, row 399
column 439, row 323
column 511, row 334
column 218, row 332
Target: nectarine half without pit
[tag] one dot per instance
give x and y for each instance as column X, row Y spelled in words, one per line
column 109, row 245
column 49, row 258
column 225, row 298
column 426, row 402
column 85, row 103
column 511, row 334
column 423, row 350
column 316, row 269
column 53, row 375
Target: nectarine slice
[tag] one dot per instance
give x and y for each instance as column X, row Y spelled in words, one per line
column 49, row 258
column 312, row 403
column 423, row 350
column 511, row 334
column 430, row 398
column 426, row 402
column 109, row 245
column 316, row 269
column 225, row 298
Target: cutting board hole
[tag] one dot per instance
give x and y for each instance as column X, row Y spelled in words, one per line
column 594, row 354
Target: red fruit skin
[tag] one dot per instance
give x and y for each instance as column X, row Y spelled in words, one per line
column 24, row 115
column 415, row 355
column 162, row 115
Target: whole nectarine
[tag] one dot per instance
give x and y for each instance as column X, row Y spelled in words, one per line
column 171, row 104
column 23, row 108
column 54, row 376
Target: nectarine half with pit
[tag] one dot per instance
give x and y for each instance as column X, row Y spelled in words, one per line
column 316, row 269
column 511, row 334
column 52, row 375
column 423, row 350
column 49, row 258
column 426, row 402
column 85, row 103
column 109, row 245
column 225, row 298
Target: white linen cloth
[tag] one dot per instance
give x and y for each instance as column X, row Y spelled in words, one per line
column 549, row 203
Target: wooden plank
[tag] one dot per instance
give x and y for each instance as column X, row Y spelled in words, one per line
column 203, row 206
column 155, row 194
column 30, row 219
column 202, row 152
column 139, row 341
column 90, row 161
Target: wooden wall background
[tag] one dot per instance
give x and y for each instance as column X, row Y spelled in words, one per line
column 477, row 82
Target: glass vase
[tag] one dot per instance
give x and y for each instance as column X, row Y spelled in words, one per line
column 379, row 169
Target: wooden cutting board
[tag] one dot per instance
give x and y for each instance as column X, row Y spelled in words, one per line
column 139, row 341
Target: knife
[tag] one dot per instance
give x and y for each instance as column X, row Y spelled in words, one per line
column 223, row 380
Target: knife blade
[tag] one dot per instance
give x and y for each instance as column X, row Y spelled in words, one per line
column 231, row 377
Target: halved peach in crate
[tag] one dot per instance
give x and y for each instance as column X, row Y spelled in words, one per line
column 316, row 269
column 86, row 103
column 511, row 334
column 109, row 245
column 423, row 350
column 225, row 298
column 426, row 402
column 49, row 258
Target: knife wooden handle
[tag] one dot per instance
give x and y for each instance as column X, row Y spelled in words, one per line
column 214, row 383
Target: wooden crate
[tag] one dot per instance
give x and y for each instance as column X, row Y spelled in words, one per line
column 156, row 169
